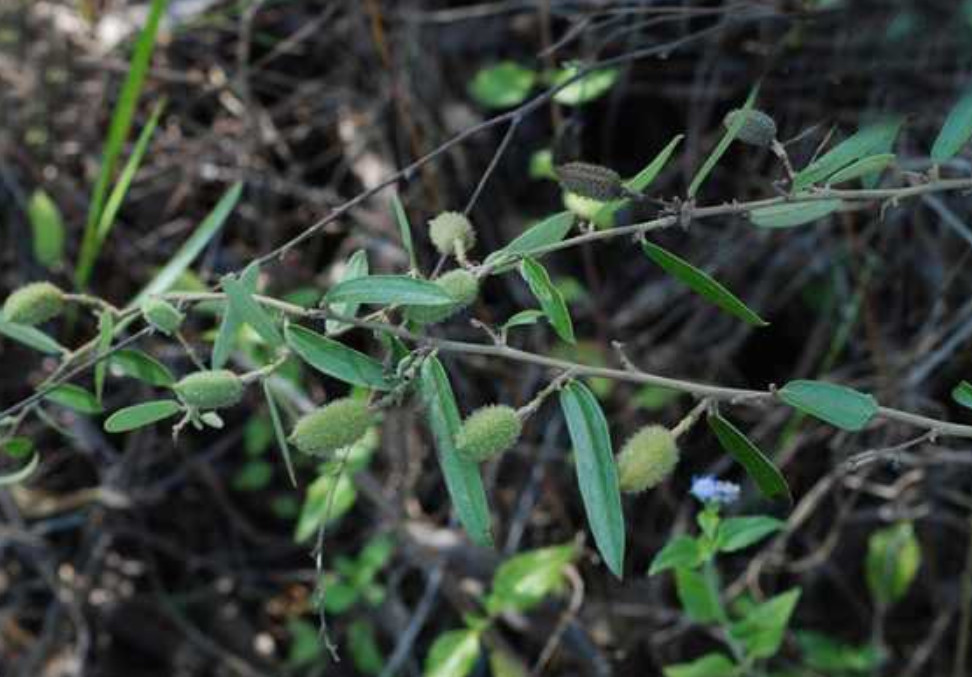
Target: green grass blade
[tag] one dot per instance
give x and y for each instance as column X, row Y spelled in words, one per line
column 720, row 149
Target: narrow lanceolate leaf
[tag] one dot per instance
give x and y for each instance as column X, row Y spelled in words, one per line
column 231, row 321
column 868, row 166
column 136, row 364
column 405, row 229
column 597, row 474
column 871, row 139
column 962, row 394
column 20, row 474
column 141, row 415
column 278, row 430
column 956, row 131
column 31, row 337
column 75, row 398
column 548, row 232
column 762, row 471
column 702, row 284
column 790, row 214
column 837, row 405
column 47, row 229
column 106, row 327
column 646, row 176
column 357, row 267
column 723, row 144
column 523, row 318
column 183, row 258
column 462, row 477
column 251, row 312
column 336, row 359
column 389, row 289
column 550, row 298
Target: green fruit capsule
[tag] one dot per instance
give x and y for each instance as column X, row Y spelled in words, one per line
column 647, row 458
column 488, row 432
column 207, row 390
column 34, row 304
column 338, row 424
column 758, row 128
column 162, row 315
column 584, row 207
column 593, row 182
column 450, row 232
column 461, row 285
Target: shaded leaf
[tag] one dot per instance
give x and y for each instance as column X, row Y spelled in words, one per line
column 505, row 85
column 106, row 327
column 872, row 165
column 605, row 217
column 870, row 139
column 141, row 415
column 522, row 318
column 251, row 312
column 389, row 289
column 336, row 359
column 328, row 499
column 893, row 559
column 962, row 394
column 723, row 145
column 229, row 324
column 699, row 596
column 709, row 665
column 20, row 474
column 138, row 365
column 47, row 229
column 837, row 405
column 736, row 533
column 761, row 630
column 75, row 398
column 357, row 267
column 767, row 477
column 681, row 551
column 32, row 337
column 278, row 431
column 956, row 131
column 549, row 297
column 550, row 231
column 525, row 580
column 405, row 230
column 791, row 214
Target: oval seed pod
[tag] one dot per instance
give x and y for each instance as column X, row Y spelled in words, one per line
column 758, row 128
column 647, row 458
column 162, row 315
column 449, row 229
column 34, row 304
column 488, row 432
column 210, row 389
column 461, row 285
column 590, row 181
column 338, row 424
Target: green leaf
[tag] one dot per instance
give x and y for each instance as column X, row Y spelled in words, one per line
column 591, row 86
column 524, row 581
column 363, row 646
column 597, row 474
column 16, row 447
column 709, row 665
column 251, row 312
column 767, row 477
column 47, row 228
column 357, row 267
column 523, row 318
column 462, row 477
column 872, row 165
column 791, row 214
column 638, row 183
column 75, row 398
column 736, row 533
column 702, row 284
column 278, row 431
column 548, row 232
column 761, row 630
column 389, row 289
column 723, row 145
column 321, row 507
column 192, row 247
column 956, row 131
column 305, row 643
column 893, row 559
column 230, row 323
column 32, row 337
column 870, row 139
column 253, row 476
column 549, row 297
column 832, row 657
column 106, row 328
column 837, row 405
column 681, row 551
column 541, row 165
column 655, row 398
column 505, row 85
column 698, row 595
column 962, row 394
column 335, row 359
column 136, row 364
column 453, row 654
column 17, row 476
column 405, row 229
column 141, row 415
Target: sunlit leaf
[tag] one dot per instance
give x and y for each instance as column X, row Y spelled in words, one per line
column 389, row 289
column 525, row 580
column 503, row 85
column 357, row 267
column 336, row 359
column 453, row 654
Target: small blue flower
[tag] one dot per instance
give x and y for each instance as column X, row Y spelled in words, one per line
column 708, row 489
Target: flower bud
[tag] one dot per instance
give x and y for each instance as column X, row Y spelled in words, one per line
column 758, row 128
column 647, row 458
column 34, row 304
column 210, row 389
column 590, row 181
column 162, row 315
column 461, row 285
column 338, row 424
column 488, row 432
column 451, row 231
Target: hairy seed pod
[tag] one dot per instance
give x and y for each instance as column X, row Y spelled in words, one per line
column 488, row 432
column 647, row 458
column 162, row 315
column 207, row 390
column 758, row 128
column 461, row 285
column 590, row 181
column 450, row 231
column 338, row 424
column 34, row 304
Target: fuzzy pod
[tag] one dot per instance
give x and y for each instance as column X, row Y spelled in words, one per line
column 647, row 458
column 758, row 128
column 461, row 285
column 590, row 181
column 207, row 390
column 449, row 229
column 162, row 315
column 34, row 304
column 488, row 432
column 338, row 424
